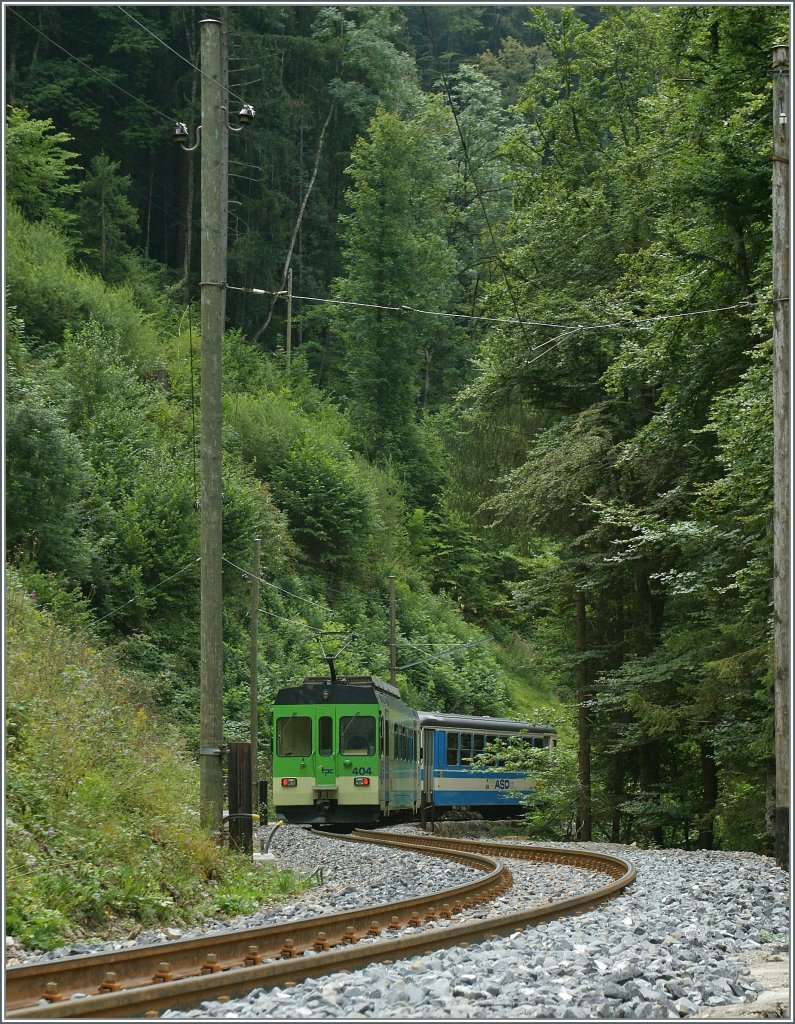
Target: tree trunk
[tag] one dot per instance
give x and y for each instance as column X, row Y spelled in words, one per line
column 318, row 152
column 616, row 797
column 649, row 782
column 427, row 383
column 651, row 618
column 583, row 827
column 147, row 248
column 709, row 796
column 103, row 233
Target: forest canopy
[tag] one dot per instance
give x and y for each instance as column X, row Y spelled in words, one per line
column 537, row 389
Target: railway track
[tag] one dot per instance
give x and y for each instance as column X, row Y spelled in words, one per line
column 148, row 979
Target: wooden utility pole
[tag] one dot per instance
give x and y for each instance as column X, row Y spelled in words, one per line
column 253, row 673
column 781, row 444
column 289, row 343
column 213, row 283
column 392, row 633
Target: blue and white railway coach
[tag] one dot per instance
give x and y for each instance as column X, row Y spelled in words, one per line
column 349, row 751
column 450, row 743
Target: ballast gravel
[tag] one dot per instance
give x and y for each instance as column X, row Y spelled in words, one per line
column 665, row 949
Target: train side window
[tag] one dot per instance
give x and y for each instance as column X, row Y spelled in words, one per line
column 294, row 736
column 479, row 743
column 325, row 736
column 466, row 748
column 452, row 748
column 357, row 734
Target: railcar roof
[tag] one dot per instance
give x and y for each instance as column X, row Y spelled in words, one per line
column 442, row 720
column 374, row 681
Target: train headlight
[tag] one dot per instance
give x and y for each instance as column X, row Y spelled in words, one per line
column 361, row 780
column 289, row 782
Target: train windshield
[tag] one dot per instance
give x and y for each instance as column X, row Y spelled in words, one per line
column 357, row 734
column 294, row 736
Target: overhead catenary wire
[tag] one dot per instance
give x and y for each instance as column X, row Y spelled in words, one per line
column 625, row 322
column 177, row 53
column 156, row 586
column 274, row 586
column 443, row 654
column 93, row 71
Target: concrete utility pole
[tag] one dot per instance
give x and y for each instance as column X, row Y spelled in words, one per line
column 392, row 633
column 781, row 444
column 213, row 284
column 253, row 673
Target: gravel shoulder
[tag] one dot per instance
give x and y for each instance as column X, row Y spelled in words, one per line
column 770, row 967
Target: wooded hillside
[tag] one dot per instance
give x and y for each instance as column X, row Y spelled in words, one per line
column 573, row 475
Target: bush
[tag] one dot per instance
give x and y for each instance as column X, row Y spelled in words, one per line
column 101, row 798
column 331, row 512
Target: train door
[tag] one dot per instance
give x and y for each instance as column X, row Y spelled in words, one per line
column 428, row 739
column 385, row 775
column 326, row 759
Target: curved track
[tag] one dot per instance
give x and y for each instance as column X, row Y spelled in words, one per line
column 149, row 979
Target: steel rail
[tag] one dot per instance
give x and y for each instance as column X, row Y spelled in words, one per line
column 189, row 991
column 604, row 863
column 163, row 962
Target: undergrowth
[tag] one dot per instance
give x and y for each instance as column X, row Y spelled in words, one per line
column 102, row 828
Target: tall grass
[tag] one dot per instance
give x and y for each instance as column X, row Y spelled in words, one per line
column 102, row 828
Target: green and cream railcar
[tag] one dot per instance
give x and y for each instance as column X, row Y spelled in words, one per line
column 344, row 752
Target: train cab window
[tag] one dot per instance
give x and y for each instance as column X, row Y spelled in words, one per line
column 325, row 736
column 452, row 748
column 357, row 734
column 294, row 736
column 466, row 748
column 539, row 741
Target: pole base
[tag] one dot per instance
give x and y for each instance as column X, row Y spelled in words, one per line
column 782, row 837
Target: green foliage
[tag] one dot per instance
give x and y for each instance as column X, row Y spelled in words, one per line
column 509, row 476
column 47, row 478
column 107, row 218
column 330, row 511
column 640, row 458
column 101, row 819
column 396, row 254
column 52, row 296
column 39, row 169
